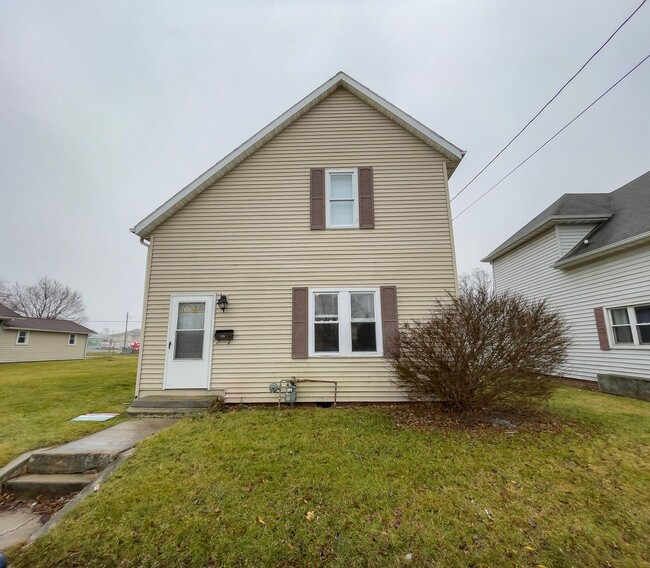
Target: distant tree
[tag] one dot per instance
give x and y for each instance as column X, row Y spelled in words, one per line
column 481, row 349
column 47, row 298
column 4, row 291
column 474, row 280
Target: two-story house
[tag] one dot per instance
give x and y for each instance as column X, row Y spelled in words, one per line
column 588, row 255
column 300, row 249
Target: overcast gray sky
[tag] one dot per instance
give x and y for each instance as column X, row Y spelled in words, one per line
column 109, row 108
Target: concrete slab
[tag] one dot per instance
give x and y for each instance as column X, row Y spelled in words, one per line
column 17, row 526
column 115, row 439
column 158, row 401
column 51, row 485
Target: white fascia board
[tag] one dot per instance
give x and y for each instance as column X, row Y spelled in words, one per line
column 445, row 147
column 603, row 251
column 46, row 330
column 542, row 227
column 144, row 227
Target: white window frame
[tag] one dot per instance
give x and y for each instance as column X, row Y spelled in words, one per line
column 345, row 327
column 355, row 195
column 72, row 336
column 631, row 314
column 26, row 332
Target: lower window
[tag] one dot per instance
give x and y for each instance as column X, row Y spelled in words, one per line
column 344, row 322
column 630, row 325
column 22, row 338
column 72, row 339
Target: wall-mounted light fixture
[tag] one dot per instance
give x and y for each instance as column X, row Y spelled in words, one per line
column 222, row 302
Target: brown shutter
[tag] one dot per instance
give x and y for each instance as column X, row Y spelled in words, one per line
column 602, row 330
column 317, row 198
column 366, row 199
column 389, row 323
column 300, row 323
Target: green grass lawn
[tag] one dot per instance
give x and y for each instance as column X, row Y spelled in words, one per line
column 347, row 487
column 37, row 400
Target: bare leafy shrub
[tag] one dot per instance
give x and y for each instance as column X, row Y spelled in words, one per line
column 481, row 349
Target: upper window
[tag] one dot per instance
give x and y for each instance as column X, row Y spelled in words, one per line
column 22, row 338
column 72, row 339
column 342, row 197
column 630, row 326
column 345, row 322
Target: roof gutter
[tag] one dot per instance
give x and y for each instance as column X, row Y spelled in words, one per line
column 89, row 332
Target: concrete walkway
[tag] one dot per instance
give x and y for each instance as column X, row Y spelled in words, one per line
column 113, row 440
column 20, row 524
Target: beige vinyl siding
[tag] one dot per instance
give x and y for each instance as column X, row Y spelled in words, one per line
column 569, row 236
column 621, row 279
column 249, row 237
column 41, row 346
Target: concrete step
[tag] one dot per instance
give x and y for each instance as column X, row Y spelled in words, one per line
column 53, row 485
column 153, row 411
column 184, row 402
column 51, row 462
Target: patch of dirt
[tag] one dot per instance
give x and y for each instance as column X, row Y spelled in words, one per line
column 433, row 415
column 577, row 383
column 45, row 506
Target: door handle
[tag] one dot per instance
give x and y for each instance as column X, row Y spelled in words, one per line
column 170, row 345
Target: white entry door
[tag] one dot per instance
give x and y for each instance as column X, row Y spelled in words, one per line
column 189, row 342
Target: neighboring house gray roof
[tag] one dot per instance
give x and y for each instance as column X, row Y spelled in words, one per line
column 340, row 80
column 622, row 216
column 42, row 324
column 6, row 313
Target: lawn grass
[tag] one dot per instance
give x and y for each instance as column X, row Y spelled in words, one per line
column 37, row 400
column 347, row 487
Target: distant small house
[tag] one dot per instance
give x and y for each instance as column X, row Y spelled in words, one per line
column 117, row 339
column 35, row 339
column 589, row 255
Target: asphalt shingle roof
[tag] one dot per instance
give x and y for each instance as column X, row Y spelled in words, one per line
column 41, row 324
column 631, row 217
column 621, row 214
column 5, row 312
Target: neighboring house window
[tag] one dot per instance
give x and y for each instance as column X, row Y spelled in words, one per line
column 631, row 325
column 345, row 322
column 72, row 339
column 342, row 196
column 23, row 337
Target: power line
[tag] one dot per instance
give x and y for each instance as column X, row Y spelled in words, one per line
column 552, row 137
column 550, row 101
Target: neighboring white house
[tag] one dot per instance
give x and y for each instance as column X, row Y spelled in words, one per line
column 589, row 255
column 25, row 339
column 295, row 255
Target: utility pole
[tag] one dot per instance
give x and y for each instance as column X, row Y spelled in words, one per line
column 126, row 329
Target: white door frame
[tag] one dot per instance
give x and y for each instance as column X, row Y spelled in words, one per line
column 174, row 300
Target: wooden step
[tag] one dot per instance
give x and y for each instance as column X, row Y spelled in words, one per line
column 50, row 485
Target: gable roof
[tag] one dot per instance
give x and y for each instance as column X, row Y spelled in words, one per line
column 42, row 324
column 340, row 80
column 622, row 217
column 6, row 313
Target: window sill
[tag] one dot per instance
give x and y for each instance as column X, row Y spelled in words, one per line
column 345, row 355
column 341, row 228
